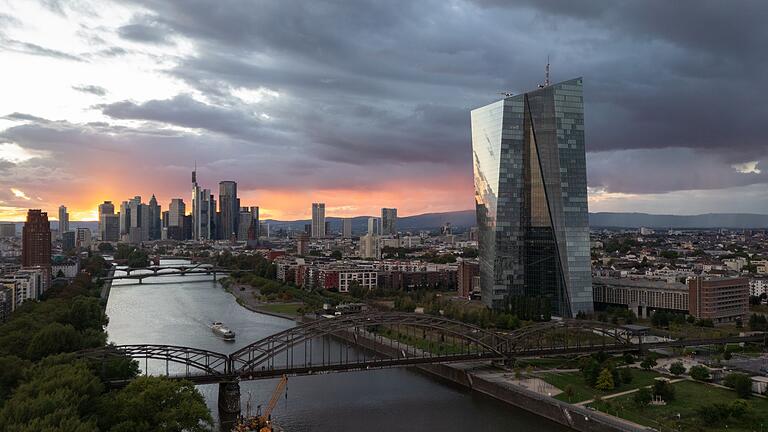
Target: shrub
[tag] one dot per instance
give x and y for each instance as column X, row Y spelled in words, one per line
column 677, row 368
column 642, row 397
column 699, row 372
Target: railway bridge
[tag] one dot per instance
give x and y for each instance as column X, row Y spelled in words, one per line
column 374, row 340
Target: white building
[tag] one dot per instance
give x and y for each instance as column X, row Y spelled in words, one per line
column 366, row 278
column 758, row 287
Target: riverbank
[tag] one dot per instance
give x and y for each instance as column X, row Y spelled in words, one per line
column 498, row 383
column 246, row 297
column 107, row 287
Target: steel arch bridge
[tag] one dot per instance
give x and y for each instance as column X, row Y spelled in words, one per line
column 372, row 340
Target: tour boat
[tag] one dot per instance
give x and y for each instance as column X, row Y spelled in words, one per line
column 222, row 331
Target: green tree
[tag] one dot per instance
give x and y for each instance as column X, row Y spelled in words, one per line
column 53, row 339
column 740, row 382
column 648, row 363
column 336, row 254
column 642, row 397
column 626, row 375
column 106, row 247
column 677, row 368
column 605, row 380
column 86, row 313
column 699, row 373
column 664, row 390
column 150, row 404
column 569, row 392
column 11, row 372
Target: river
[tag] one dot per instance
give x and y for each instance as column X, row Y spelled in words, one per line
column 178, row 309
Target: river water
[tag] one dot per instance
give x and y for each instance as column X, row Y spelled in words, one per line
column 177, row 310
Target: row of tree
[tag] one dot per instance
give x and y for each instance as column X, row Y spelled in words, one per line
column 43, row 387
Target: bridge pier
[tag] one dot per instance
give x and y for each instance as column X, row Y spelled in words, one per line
column 229, row 397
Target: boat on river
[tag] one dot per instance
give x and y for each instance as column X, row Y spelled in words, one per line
column 220, row 330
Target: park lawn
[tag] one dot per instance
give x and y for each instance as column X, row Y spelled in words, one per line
column 689, row 395
column 582, row 391
column 282, row 308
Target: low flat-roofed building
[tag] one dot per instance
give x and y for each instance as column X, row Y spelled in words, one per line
column 641, row 295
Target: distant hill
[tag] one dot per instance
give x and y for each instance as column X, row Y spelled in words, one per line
column 709, row 220
column 466, row 218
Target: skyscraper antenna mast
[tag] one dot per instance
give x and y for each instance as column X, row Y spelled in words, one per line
column 546, row 74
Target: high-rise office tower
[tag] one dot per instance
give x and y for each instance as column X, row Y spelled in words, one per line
column 255, row 224
column 374, row 226
column 109, row 225
column 388, row 221
column 531, row 198
column 36, row 240
column 203, row 212
column 154, row 219
column 63, row 220
column 318, row 220
column 125, row 220
column 176, row 210
column 140, row 221
column 346, row 228
column 245, row 219
column 229, row 206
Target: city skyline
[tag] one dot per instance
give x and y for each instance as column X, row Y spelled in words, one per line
column 356, row 130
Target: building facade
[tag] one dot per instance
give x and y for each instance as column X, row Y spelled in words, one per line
column 531, row 198
column 36, row 240
column 229, row 207
column 109, row 222
column 465, row 275
column 318, row 220
column 388, row 221
column 642, row 296
column 721, row 300
column 63, row 220
column 346, row 228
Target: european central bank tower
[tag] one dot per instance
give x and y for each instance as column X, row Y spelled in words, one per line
column 531, row 199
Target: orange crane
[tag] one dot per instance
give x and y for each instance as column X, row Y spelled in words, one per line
column 262, row 421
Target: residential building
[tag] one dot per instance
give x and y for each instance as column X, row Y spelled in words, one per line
column 346, row 228
column 7, row 230
column 366, row 278
column 302, row 244
column 318, row 220
column 83, row 238
column 721, row 300
column 758, row 287
column 176, row 213
column 531, row 198
column 36, row 240
column 466, row 274
column 388, row 221
column 369, row 246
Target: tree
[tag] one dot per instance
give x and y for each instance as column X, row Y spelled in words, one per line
column 677, row 368
column 336, row 254
column 106, row 247
column 642, row 397
column 628, row 358
column 53, row 339
column 648, row 363
column 699, row 373
column 740, row 382
column 11, row 372
column 569, row 392
column 626, row 375
column 156, row 404
column 664, row 390
column 605, row 380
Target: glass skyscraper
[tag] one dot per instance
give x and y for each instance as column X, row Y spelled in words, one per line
column 531, row 199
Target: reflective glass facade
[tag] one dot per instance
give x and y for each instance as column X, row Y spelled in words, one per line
column 531, row 198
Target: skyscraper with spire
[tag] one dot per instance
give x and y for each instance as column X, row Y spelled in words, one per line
column 203, row 211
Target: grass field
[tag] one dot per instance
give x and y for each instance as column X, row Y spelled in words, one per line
column 288, row 309
column 582, row 391
column 689, row 396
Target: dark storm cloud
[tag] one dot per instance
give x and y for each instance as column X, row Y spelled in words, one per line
column 672, row 87
column 92, row 89
column 146, row 31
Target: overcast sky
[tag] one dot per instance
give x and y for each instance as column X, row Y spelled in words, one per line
column 365, row 104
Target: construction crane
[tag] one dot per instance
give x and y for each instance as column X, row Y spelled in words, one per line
column 262, row 422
